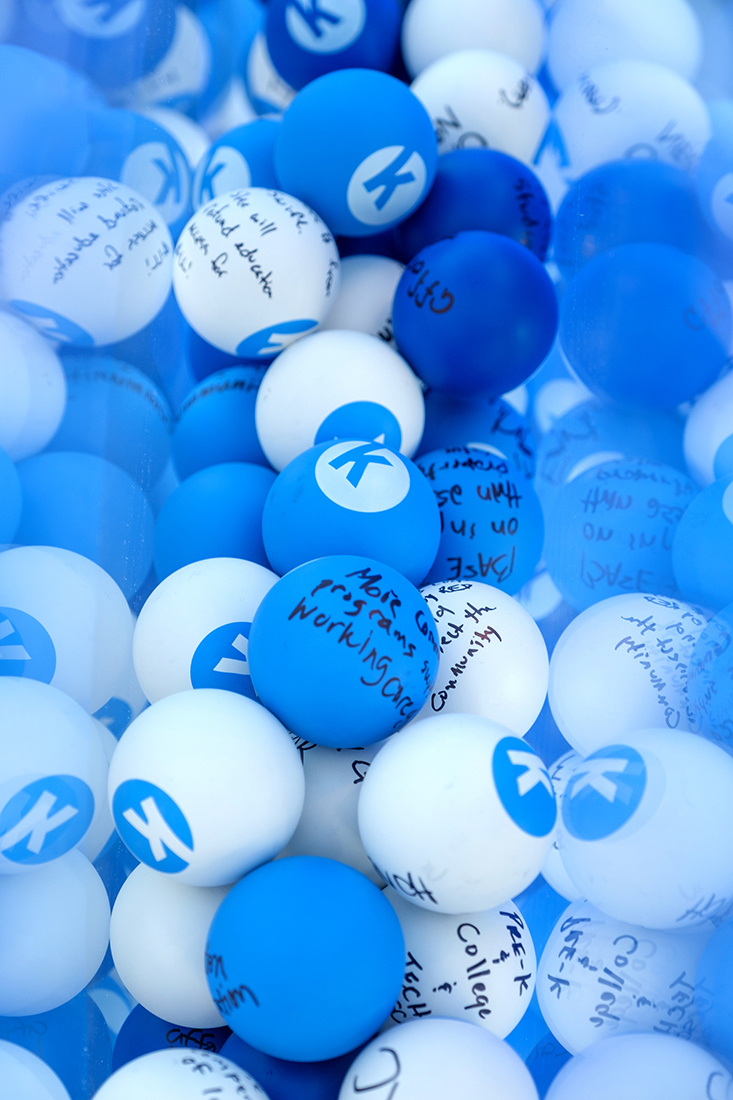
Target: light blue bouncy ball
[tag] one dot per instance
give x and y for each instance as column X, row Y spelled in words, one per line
column 710, row 680
column 714, row 177
column 703, row 547
column 84, row 503
column 646, row 324
column 343, row 651
column 214, row 513
column 126, row 146
column 10, row 498
column 489, row 423
column 216, row 422
column 611, row 530
column 359, row 148
column 480, row 189
column 282, row 1079
column 115, row 411
column 352, row 497
column 475, row 314
column 307, row 40
column 113, row 41
column 597, row 431
column 142, row 1032
column 714, row 991
column 626, row 202
column 491, row 519
column 73, row 1040
column 331, row 1005
column 242, row 157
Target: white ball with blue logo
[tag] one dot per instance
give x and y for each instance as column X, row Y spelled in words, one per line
column 338, row 385
column 478, row 99
column 630, row 653
column 628, row 109
column 179, row 1073
column 435, row 1058
column 205, row 785
column 352, row 497
column 639, row 1067
column 586, row 33
column 457, row 813
column 87, row 261
column 708, row 435
column 493, row 658
column 158, row 935
column 358, row 147
column 646, row 829
column 54, row 774
column 254, row 270
column 600, row 977
column 55, row 934
column 32, row 389
column 193, row 629
column 431, row 29
column 25, row 1074
column 63, row 621
column 553, row 869
column 477, row 967
column 241, row 157
column 364, row 300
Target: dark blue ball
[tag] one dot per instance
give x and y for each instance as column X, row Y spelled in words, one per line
column 284, row 1080
column 480, row 189
column 475, row 314
column 216, row 422
column 142, row 1033
column 485, row 422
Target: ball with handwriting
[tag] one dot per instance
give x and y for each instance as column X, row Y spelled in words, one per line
column 253, row 271
column 88, row 261
column 183, row 1074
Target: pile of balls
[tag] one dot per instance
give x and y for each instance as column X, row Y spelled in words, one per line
column 366, row 527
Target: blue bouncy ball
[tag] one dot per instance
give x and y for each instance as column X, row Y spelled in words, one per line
column 596, row 431
column 307, row 41
column 490, row 424
column 230, row 27
column 160, row 350
column 113, row 42
column 116, row 412
column 646, row 324
column 203, row 359
column 84, row 503
column 626, row 202
column 343, row 651
column 44, row 128
column 283, row 1080
column 359, row 148
column 340, row 989
column 215, row 513
column 240, row 158
column 378, row 244
column 475, row 314
column 73, row 1040
column 610, row 531
column 131, row 148
column 703, row 547
column 480, row 189
column 10, row 499
column 714, row 178
column 710, row 680
column 142, row 1032
column 352, row 497
column 714, row 991
column 216, row 422
column 491, row 519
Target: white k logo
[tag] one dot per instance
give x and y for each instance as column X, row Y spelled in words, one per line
column 156, row 831
column 593, row 774
column 37, row 824
column 535, row 774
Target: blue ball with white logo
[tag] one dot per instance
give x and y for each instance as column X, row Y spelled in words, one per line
column 480, row 189
column 710, row 680
column 492, row 526
column 216, row 422
column 309, row 39
column 475, row 314
column 352, row 497
column 349, row 928
column 488, row 423
column 703, row 547
column 129, row 147
column 214, row 513
column 242, row 157
column 343, row 650
column 359, row 148
column 142, row 1032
